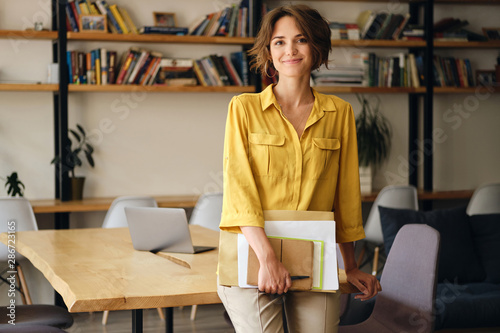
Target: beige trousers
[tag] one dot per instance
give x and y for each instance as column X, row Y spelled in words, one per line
column 253, row 311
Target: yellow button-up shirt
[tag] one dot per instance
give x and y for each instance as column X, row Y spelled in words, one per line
column 268, row 167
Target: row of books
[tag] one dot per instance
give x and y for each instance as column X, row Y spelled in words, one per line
column 118, row 18
column 234, row 20
column 344, row 31
column 452, row 72
column 382, row 25
column 453, row 29
column 370, row 70
column 144, row 67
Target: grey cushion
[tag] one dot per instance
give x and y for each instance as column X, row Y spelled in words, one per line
column 39, row 314
column 467, row 306
column 458, row 261
column 486, row 234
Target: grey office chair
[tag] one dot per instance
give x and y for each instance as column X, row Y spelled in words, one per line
column 392, row 196
column 406, row 302
column 207, row 213
column 16, row 215
column 485, row 200
column 116, row 218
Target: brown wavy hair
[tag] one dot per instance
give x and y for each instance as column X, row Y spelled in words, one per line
column 309, row 21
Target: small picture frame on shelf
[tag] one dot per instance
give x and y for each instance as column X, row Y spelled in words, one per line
column 164, row 19
column 485, row 78
column 492, row 33
column 93, row 23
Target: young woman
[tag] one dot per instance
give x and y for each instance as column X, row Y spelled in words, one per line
column 290, row 148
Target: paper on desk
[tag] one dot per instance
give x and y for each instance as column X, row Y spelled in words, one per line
column 325, row 275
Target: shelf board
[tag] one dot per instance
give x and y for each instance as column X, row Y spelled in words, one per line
column 468, row 90
column 425, row 195
column 28, row 87
column 27, row 34
column 138, row 88
column 378, row 43
column 492, row 44
column 152, row 38
column 103, row 204
column 471, row 2
column 367, row 90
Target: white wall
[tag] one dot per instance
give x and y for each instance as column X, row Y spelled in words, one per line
column 172, row 143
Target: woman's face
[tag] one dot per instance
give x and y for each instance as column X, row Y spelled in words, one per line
column 290, row 50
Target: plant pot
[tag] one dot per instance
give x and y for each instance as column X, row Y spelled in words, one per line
column 77, row 188
column 365, row 179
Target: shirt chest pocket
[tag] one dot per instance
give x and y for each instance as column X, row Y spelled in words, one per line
column 268, row 156
column 324, row 153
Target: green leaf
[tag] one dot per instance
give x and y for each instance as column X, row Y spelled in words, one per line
column 76, row 135
column 80, row 128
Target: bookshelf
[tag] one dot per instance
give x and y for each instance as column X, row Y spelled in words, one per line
column 62, row 38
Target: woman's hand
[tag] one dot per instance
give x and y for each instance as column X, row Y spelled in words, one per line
column 273, row 276
column 366, row 283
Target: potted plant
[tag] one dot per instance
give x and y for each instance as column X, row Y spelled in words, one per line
column 374, row 140
column 14, row 185
column 74, row 159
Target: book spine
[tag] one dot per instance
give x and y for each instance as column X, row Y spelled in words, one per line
column 119, row 19
column 124, row 67
column 156, row 70
column 71, row 19
column 201, row 73
column 104, row 66
column 111, row 67
column 104, row 9
column 232, row 72
column 76, row 16
column 89, row 68
column 164, row 30
column 138, row 65
column 130, row 24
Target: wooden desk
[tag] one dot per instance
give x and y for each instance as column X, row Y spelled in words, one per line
column 98, row 269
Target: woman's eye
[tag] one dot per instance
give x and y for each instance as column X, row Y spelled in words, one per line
column 278, row 42
column 302, row 40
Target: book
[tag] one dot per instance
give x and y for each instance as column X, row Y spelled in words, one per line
column 201, row 74
column 240, row 63
column 74, row 11
column 119, row 19
column 104, row 9
column 177, row 72
column 104, row 66
column 127, row 60
column 137, row 65
column 112, row 67
column 220, row 69
column 128, row 21
column 235, row 78
column 164, row 30
column 211, row 71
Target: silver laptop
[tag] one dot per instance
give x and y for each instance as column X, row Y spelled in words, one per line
column 161, row 229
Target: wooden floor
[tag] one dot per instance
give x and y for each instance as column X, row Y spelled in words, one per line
column 209, row 318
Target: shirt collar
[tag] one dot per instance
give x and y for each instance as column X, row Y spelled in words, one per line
column 268, row 99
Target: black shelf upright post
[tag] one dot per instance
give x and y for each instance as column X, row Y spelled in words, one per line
column 428, row 144
column 414, row 100
column 61, row 141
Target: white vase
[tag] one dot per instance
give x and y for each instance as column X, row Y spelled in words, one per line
column 365, row 179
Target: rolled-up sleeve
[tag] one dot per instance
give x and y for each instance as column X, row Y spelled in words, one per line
column 347, row 203
column 241, row 201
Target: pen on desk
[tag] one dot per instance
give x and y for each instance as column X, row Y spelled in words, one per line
column 299, row 277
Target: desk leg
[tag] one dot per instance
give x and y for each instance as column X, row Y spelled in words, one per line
column 169, row 320
column 137, row 321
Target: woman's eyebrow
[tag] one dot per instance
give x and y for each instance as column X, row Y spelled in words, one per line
column 278, row 37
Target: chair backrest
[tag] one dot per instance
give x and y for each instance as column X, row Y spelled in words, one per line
column 408, row 281
column 485, row 200
column 16, row 214
column 207, row 211
column 392, row 196
column 115, row 217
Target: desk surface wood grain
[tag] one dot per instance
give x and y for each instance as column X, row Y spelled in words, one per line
column 98, row 269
